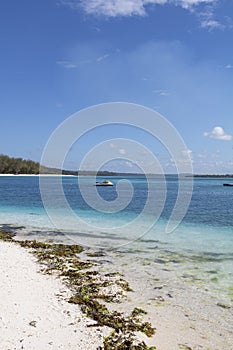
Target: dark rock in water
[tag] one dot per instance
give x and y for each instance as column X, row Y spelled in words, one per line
column 11, row 228
column 158, row 287
column 160, row 261
column 96, row 254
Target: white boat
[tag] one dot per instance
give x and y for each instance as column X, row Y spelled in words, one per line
column 104, row 183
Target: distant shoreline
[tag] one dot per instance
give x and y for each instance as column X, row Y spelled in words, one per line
column 229, row 176
column 34, row 175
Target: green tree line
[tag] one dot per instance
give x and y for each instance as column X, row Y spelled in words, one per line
column 16, row 166
column 9, row 165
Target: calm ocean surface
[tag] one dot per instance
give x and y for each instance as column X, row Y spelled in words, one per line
column 203, row 239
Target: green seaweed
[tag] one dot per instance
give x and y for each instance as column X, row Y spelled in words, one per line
column 56, row 249
column 87, row 286
column 100, row 313
column 123, row 342
column 214, row 279
column 184, row 347
column 124, row 285
column 138, row 312
column 6, row 236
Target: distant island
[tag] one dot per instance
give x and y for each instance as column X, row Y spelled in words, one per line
column 17, row 166
column 214, row 175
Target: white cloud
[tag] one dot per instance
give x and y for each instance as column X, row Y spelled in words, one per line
column 218, row 133
column 122, row 151
column 229, row 66
column 67, row 64
column 114, row 8
column 208, row 20
column 162, row 92
column 204, row 9
column 77, row 64
column 191, row 3
column 187, row 152
column 101, row 58
column 211, row 24
column 111, row 8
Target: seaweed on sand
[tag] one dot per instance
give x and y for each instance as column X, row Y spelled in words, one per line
column 89, row 287
column 6, row 236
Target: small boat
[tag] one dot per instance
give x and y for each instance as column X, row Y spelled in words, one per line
column 104, row 183
column 228, row 184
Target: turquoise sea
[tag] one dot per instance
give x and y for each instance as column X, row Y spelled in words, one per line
column 202, row 244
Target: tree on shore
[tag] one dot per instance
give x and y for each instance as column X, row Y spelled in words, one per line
column 16, row 166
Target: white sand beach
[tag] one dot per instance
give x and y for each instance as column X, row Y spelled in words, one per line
column 34, row 313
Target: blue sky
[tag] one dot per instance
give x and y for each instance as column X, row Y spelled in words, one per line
column 174, row 56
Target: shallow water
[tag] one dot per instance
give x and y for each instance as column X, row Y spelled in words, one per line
column 199, row 251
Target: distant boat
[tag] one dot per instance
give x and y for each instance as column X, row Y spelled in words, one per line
column 104, row 183
column 231, row 184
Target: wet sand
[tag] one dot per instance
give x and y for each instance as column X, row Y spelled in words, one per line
column 35, row 314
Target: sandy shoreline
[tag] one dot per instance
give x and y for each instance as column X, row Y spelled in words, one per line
column 35, row 314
